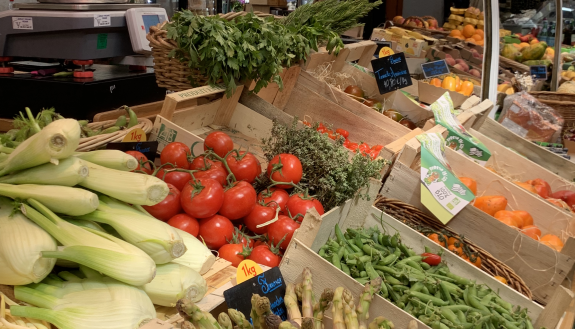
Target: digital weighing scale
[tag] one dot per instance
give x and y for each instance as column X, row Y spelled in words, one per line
column 75, row 33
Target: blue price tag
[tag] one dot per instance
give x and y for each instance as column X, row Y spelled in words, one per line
column 539, row 72
column 436, row 68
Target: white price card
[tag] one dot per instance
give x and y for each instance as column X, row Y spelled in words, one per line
column 102, row 20
column 22, row 23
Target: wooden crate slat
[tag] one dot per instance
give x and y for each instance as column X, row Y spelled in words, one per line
column 535, row 153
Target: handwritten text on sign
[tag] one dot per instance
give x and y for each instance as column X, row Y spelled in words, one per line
column 433, row 69
column 391, row 73
column 539, row 72
column 269, row 284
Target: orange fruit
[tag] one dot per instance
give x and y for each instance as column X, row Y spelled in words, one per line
column 526, row 219
column 500, row 278
column 491, row 203
column 468, row 31
column 456, row 250
column 479, row 32
column 477, row 261
column 508, row 217
column 532, row 231
column 453, row 240
column 552, row 241
column 455, row 33
column 477, row 37
column 435, row 238
column 470, row 183
column 527, row 186
column 480, row 42
column 471, row 40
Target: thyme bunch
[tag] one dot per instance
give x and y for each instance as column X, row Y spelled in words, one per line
column 328, row 172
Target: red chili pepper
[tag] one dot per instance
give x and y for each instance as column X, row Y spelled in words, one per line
column 342, row 132
column 431, row 259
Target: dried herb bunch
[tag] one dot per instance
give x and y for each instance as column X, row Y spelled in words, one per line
column 328, row 172
column 247, row 48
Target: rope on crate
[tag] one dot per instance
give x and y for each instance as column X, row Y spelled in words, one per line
column 415, row 218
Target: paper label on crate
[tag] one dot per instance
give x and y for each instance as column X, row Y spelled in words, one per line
column 22, row 23
column 247, row 269
column 166, row 132
column 102, row 20
column 270, row 284
column 135, row 135
column 458, row 138
column 441, row 191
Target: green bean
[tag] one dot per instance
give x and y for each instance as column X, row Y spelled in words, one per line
column 473, row 302
column 417, row 286
column 411, row 258
column 459, row 279
column 446, row 294
column 427, row 298
column 345, row 268
column 371, row 271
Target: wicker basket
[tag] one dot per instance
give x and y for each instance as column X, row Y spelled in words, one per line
column 563, row 103
column 170, row 72
column 506, row 62
column 95, row 142
column 418, row 220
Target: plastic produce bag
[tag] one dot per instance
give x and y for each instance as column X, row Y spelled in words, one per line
column 531, row 119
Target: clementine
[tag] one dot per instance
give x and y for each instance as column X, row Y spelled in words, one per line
column 468, row 31
column 526, row 219
column 477, row 37
column 508, row 217
column 455, row 33
column 532, row 231
column 552, row 241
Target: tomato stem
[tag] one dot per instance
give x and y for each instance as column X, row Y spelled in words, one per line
column 271, row 221
column 157, row 169
column 224, row 162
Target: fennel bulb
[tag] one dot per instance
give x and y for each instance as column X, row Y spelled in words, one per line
column 21, row 245
column 57, row 140
column 173, row 282
column 158, row 239
column 97, row 250
column 85, row 303
column 68, row 172
column 198, row 257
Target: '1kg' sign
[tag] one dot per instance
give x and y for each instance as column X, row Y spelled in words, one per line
column 391, row 73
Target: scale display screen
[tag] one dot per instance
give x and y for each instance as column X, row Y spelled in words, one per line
column 150, row 20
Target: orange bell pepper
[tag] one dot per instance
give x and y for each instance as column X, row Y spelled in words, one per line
column 449, row 84
column 457, row 83
column 435, row 82
column 467, row 88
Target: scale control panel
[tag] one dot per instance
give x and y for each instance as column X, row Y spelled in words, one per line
column 139, row 21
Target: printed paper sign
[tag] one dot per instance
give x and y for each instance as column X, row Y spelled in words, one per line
column 538, row 72
column 22, row 23
column 247, row 269
column 434, row 69
column 441, row 191
column 165, row 132
column 391, row 73
column 102, row 20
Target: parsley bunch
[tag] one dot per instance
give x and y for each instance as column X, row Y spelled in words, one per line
column 248, row 48
column 328, row 172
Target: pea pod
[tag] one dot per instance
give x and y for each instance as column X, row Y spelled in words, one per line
column 459, row 279
column 392, row 280
column 371, row 271
column 110, row 130
column 133, row 117
column 121, row 121
column 428, row 299
column 445, row 293
column 345, row 269
column 411, row 258
column 473, row 302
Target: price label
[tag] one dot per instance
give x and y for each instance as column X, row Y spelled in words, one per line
column 147, row 148
column 135, row 135
column 102, row 20
column 22, row 23
column 433, row 69
column 383, row 48
column 247, row 269
column 538, row 72
column 391, row 73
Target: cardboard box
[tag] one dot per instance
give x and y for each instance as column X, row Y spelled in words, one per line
column 429, row 94
column 409, row 46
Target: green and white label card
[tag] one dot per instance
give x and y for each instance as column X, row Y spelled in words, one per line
column 458, row 138
column 441, row 191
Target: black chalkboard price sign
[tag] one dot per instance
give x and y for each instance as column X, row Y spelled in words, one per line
column 391, row 73
column 269, row 284
column 436, row 68
column 539, row 72
column 147, row 148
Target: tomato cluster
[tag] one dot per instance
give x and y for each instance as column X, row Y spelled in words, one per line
column 361, row 147
column 212, row 197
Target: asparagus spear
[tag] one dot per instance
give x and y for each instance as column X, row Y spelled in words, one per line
column 306, row 297
column 224, row 321
column 290, row 301
column 239, row 319
column 307, row 323
column 200, row 319
column 260, row 309
column 299, row 290
column 365, row 301
column 273, row 321
column 351, row 321
column 287, row 325
column 320, row 307
column 337, row 309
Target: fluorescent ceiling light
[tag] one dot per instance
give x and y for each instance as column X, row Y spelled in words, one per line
column 567, row 9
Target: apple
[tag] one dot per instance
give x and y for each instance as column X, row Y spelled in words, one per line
column 450, row 61
column 463, row 64
column 448, row 56
column 398, row 20
column 459, row 67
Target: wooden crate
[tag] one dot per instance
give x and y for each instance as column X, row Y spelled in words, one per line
column 315, row 230
column 542, row 269
column 533, row 152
